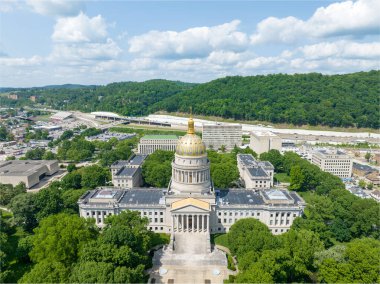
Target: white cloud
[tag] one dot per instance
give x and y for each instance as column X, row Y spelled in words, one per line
column 78, row 40
column 338, row 19
column 84, row 52
column 21, row 61
column 191, row 43
column 342, row 49
column 56, row 8
column 7, row 6
column 80, row 29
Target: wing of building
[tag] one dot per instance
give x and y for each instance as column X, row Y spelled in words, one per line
column 191, row 204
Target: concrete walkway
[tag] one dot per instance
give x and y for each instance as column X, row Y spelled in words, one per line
column 189, row 262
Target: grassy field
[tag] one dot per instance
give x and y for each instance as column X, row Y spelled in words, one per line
column 282, row 177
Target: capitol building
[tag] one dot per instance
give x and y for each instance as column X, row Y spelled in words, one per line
column 191, row 204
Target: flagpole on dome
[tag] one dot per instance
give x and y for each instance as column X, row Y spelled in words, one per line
column 190, row 124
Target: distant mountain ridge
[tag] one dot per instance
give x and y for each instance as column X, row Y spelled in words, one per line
column 349, row 100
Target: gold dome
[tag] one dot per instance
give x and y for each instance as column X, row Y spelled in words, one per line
column 191, row 144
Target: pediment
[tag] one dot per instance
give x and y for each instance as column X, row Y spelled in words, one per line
column 189, row 209
column 190, row 205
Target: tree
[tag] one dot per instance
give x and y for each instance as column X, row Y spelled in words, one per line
column 370, row 186
column 359, row 264
column 301, row 246
column 297, row 179
column 48, row 201
column 58, row 238
column 250, row 235
column 362, row 184
column 7, row 192
column 49, row 155
column 24, row 211
column 275, row 158
column 47, row 272
column 157, row 169
column 93, row 176
column 35, row 154
column 72, row 180
column 368, row 156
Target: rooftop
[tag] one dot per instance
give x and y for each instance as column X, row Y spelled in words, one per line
column 23, row 167
column 264, row 133
column 157, row 136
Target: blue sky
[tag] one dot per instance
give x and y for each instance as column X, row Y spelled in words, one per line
column 46, row 42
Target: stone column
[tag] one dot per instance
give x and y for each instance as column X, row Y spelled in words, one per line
column 172, row 224
column 195, row 222
column 200, row 223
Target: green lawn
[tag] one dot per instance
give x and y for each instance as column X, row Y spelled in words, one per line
column 219, row 239
column 160, row 239
column 282, row 177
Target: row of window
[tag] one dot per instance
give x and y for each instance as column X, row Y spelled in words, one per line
column 236, row 213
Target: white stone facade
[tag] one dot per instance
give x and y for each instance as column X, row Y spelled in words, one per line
column 150, row 143
column 255, row 174
column 263, row 141
column 217, row 135
column 190, row 204
column 333, row 161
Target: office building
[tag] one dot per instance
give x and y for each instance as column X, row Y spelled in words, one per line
column 263, row 141
column 217, row 135
column 150, row 143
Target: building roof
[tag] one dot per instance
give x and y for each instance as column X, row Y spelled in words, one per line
column 23, row 167
column 364, row 168
column 239, row 197
column 137, row 160
column 126, row 172
column 191, row 201
column 61, row 115
column 105, row 113
column 257, row 172
column 160, row 137
column 263, row 133
column 142, row 196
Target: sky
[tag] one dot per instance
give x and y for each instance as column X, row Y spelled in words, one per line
column 46, row 42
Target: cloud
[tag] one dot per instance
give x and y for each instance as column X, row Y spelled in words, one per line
column 56, row 8
column 342, row 49
column 21, row 61
column 82, row 53
column 80, row 29
column 80, row 39
column 195, row 42
column 347, row 18
column 7, row 6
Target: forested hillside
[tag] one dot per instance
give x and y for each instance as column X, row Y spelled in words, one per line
column 350, row 100
column 339, row 100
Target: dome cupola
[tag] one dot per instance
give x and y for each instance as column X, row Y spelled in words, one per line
column 191, row 144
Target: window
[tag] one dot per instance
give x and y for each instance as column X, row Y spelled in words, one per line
column 219, row 221
column 258, row 213
column 155, row 220
column 161, row 213
column 150, row 213
column 225, row 220
column 161, row 220
column 155, row 213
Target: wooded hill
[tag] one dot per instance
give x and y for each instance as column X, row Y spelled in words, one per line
column 350, row 100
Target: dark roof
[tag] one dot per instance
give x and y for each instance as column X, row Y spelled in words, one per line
column 137, row 160
column 247, row 159
column 361, row 167
column 239, row 197
column 142, row 196
column 126, row 172
column 119, row 164
column 257, row 172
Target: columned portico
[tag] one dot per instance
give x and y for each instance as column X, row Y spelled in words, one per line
column 194, row 222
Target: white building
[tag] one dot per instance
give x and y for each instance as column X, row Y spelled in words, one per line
column 263, row 141
column 128, row 174
column 333, row 161
column 30, row 172
column 190, row 204
column 150, row 143
column 255, row 174
column 217, row 135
